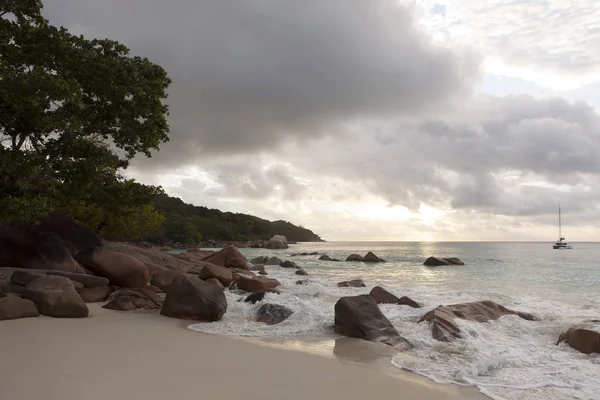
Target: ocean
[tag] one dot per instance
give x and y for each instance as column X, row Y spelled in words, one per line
column 510, row 358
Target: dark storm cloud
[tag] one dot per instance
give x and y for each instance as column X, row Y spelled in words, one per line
column 248, row 75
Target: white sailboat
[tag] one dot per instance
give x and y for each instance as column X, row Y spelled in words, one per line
column 561, row 243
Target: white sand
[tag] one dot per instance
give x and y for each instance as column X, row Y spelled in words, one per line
column 119, row 355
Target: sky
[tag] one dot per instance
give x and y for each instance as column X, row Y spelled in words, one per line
column 374, row 119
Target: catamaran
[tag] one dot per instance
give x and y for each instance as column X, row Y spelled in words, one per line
column 561, row 243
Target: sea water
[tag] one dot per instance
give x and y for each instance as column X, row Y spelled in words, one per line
column 510, row 358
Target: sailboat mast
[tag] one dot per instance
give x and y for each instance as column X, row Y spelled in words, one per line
column 559, row 224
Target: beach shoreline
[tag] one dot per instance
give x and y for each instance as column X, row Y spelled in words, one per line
column 142, row 355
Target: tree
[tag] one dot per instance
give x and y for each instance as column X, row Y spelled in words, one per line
column 73, row 113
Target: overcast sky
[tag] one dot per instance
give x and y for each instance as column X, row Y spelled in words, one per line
column 374, row 119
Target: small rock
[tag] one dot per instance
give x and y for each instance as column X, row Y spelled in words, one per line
column 95, row 294
column 225, row 275
column 288, row 264
column 352, row 283
column 163, row 279
column 87, row 280
column 55, row 296
column 258, row 284
column 372, row 258
column 435, row 261
column 133, row 299
column 22, row 278
column 360, row 317
column 272, row 314
column 191, row 298
column 303, row 282
column 255, row 297
column 382, row 296
column 354, row 257
column 259, row 260
column 215, row 281
column 273, row 261
column 583, row 340
column 300, row 271
column 12, row 307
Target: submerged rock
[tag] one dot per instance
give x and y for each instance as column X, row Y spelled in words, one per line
column 303, row 282
column 360, row 317
column 435, row 261
column 325, row 257
column 442, row 318
column 272, row 314
column 352, row 283
column 583, row 340
column 189, row 297
column 259, row 260
column 382, row 296
column 255, row 297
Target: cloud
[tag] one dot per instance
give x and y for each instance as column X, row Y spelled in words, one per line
column 551, row 41
column 248, row 76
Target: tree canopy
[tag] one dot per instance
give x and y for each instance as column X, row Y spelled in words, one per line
column 73, row 113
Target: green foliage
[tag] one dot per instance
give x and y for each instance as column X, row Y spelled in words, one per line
column 187, row 223
column 73, row 112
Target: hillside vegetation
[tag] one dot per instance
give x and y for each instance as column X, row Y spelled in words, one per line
column 187, row 223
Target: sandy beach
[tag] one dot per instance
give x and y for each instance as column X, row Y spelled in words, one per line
column 141, row 355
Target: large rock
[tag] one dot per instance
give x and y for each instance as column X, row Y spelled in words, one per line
column 442, row 318
column 436, row 261
column 224, row 275
column 583, row 340
column 163, row 279
column 77, row 233
column 258, row 284
column 24, row 246
column 354, row 257
column 154, row 259
column 95, row 294
column 87, row 280
column 228, row 253
column 133, row 299
column 360, row 317
column 121, row 269
column 352, row 283
column 273, row 261
column 370, row 257
column 382, row 296
column 277, row 242
column 12, row 307
column 55, row 296
column 272, row 314
column 191, row 298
